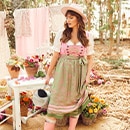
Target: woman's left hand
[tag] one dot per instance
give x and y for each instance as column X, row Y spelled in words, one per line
column 87, row 80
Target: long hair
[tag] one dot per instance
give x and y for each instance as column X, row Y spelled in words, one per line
column 66, row 36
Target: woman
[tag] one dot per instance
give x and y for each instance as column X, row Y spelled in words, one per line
column 72, row 61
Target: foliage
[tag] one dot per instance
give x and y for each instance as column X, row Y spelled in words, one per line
column 16, row 62
column 94, row 106
column 39, row 74
column 96, row 79
column 115, row 62
column 33, row 61
column 24, row 99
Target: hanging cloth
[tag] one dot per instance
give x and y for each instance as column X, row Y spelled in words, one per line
column 22, row 23
column 4, row 47
column 37, row 19
column 57, row 19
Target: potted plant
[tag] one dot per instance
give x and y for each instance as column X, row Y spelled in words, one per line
column 25, row 103
column 14, row 64
column 95, row 107
column 31, row 64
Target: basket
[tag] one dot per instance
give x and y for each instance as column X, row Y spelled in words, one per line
column 88, row 121
column 62, row 122
column 100, row 113
column 24, row 112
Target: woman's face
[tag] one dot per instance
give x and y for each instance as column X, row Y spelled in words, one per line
column 71, row 21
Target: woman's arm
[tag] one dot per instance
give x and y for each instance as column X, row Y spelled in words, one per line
column 53, row 63
column 90, row 65
column 90, row 52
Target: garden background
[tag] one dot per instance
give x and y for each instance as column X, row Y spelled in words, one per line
column 109, row 21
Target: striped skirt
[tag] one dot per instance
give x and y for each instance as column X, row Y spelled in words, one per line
column 69, row 92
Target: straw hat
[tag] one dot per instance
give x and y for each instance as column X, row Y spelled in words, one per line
column 76, row 8
column 41, row 97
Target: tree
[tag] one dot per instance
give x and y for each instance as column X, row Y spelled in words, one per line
column 111, row 26
column 89, row 14
column 119, row 21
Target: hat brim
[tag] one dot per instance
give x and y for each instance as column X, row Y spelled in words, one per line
column 65, row 9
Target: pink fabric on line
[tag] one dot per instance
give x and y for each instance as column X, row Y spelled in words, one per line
column 39, row 23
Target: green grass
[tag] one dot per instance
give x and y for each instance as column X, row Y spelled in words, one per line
column 116, row 63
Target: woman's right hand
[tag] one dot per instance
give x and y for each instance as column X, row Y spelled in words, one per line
column 47, row 79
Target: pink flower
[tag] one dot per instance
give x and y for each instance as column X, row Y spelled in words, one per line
column 104, row 111
column 100, row 81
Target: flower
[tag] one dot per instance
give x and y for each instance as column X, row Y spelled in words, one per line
column 96, row 79
column 15, row 62
column 33, row 61
column 24, row 99
column 2, row 116
column 94, row 106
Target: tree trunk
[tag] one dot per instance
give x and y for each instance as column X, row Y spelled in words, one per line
column 16, row 3
column 89, row 10
column 66, row 1
column 1, row 5
column 119, row 22
column 110, row 11
column 100, row 22
column 74, row 1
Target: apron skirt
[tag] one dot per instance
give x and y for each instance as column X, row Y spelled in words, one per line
column 69, row 91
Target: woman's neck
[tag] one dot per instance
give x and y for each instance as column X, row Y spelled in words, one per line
column 74, row 37
column 74, row 32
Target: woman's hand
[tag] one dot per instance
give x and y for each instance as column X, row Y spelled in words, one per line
column 53, row 63
column 47, row 79
column 87, row 80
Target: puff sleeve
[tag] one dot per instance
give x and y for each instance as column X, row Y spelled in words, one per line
column 57, row 43
column 90, row 48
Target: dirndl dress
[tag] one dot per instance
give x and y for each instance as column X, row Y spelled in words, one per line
column 69, row 94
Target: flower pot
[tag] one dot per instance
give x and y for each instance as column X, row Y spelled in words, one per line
column 13, row 71
column 31, row 71
column 23, row 109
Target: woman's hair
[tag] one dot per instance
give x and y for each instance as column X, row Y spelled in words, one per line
column 66, row 36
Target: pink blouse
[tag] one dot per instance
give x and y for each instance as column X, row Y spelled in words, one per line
column 75, row 50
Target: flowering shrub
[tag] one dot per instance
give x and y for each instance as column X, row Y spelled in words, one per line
column 15, row 62
column 47, row 60
column 96, row 79
column 95, row 106
column 33, row 61
column 24, row 99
